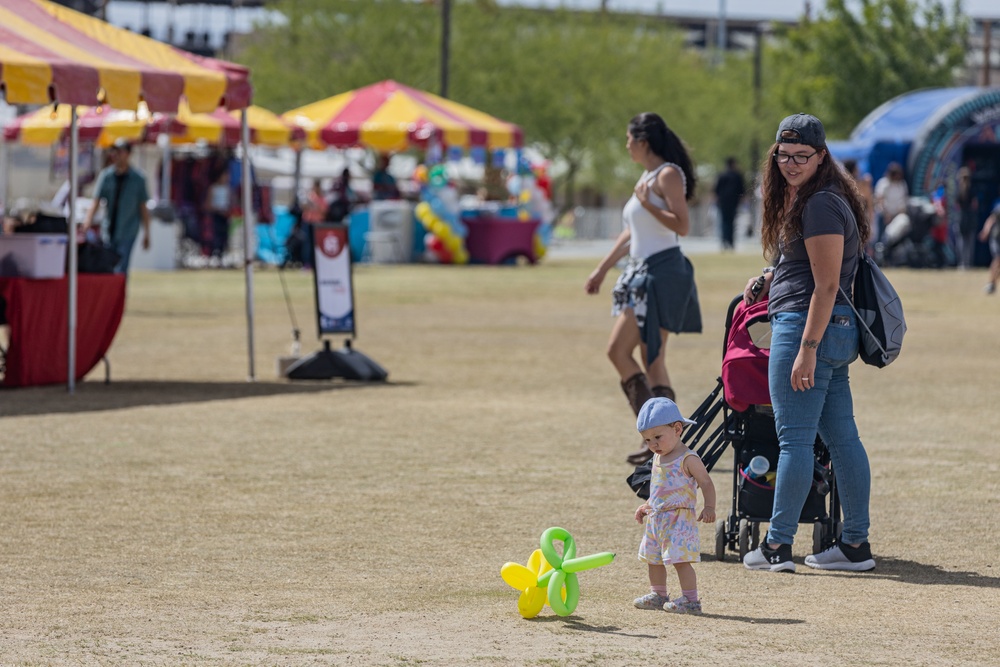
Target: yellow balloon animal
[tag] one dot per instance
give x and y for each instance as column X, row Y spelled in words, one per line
column 549, row 577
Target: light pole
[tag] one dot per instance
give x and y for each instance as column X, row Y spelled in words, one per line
column 445, row 39
column 720, row 38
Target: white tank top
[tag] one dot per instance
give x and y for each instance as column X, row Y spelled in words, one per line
column 649, row 235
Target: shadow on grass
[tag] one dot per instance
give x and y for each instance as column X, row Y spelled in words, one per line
column 755, row 620
column 912, row 572
column 573, row 623
column 97, row 397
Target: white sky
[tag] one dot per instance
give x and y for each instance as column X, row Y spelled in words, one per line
column 776, row 9
column 220, row 20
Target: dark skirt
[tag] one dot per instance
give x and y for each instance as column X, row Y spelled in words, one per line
column 662, row 293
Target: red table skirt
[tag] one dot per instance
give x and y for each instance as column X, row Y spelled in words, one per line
column 495, row 240
column 37, row 313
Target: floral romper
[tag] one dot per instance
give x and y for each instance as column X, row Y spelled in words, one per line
column 671, row 528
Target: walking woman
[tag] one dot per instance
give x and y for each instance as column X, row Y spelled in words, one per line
column 815, row 225
column 656, row 292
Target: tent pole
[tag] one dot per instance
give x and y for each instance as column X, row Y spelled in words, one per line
column 297, row 178
column 248, row 219
column 165, row 168
column 74, row 153
column 3, row 174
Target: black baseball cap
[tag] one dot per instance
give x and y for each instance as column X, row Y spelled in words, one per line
column 809, row 129
column 122, row 144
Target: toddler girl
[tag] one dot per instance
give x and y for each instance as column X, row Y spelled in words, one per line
column 671, row 530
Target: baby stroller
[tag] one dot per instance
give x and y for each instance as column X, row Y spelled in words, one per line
column 738, row 413
column 909, row 238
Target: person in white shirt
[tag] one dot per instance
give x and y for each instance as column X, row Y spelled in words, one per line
column 891, row 195
column 656, row 292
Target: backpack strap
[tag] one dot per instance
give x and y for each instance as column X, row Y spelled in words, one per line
column 861, row 258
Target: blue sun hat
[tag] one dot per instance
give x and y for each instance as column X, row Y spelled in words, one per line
column 659, row 411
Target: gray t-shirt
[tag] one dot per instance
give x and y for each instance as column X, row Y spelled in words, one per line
column 792, row 286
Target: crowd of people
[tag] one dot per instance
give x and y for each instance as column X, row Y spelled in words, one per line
column 318, row 204
column 943, row 230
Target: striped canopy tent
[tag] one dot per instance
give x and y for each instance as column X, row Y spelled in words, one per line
column 52, row 54
column 222, row 127
column 100, row 125
column 389, row 116
column 49, row 53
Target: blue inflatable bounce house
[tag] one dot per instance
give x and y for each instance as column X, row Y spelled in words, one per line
column 932, row 133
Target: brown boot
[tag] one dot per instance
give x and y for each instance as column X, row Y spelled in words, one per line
column 664, row 391
column 637, row 391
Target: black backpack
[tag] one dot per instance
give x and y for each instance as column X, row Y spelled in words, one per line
column 878, row 308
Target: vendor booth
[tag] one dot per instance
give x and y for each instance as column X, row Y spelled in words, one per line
column 389, row 116
column 933, row 133
column 175, row 133
column 54, row 54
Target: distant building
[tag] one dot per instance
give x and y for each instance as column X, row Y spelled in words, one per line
column 206, row 27
column 203, row 27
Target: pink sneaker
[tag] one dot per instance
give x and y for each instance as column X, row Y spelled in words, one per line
column 652, row 601
column 682, row 605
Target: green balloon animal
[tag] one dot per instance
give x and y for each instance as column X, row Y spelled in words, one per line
column 549, row 577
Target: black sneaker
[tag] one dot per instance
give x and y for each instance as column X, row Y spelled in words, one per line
column 774, row 560
column 843, row 557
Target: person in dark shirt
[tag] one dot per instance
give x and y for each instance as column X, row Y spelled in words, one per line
column 729, row 189
column 383, row 183
column 123, row 189
column 814, row 229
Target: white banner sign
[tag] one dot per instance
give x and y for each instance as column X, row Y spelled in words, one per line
column 332, row 271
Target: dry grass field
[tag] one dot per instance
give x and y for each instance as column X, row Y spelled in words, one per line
column 182, row 516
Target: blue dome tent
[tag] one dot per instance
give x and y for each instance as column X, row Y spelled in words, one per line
column 932, row 133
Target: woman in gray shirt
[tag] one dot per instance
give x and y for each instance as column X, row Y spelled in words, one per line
column 815, row 225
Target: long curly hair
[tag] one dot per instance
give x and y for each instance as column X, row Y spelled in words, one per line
column 780, row 225
column 666, row 144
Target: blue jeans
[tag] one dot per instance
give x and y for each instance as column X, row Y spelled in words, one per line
column 826, row 408
column 124, row 248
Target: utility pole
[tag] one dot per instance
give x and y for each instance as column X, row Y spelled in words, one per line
column 755, row 157
column 445, row 39
column 987, row 31
column 720, row 40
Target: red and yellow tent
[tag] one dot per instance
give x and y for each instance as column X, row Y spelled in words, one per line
column 222, row 128
column 49, row 53
column 102, row 125
column 389, row 116
column 99, row 125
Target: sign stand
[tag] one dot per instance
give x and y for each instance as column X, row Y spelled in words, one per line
column 332, row 272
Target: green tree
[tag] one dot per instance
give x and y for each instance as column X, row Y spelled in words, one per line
column 846, row 63
column 325, row 47
column 571, row 80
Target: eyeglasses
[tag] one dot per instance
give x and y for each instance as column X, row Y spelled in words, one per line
column 783, row 158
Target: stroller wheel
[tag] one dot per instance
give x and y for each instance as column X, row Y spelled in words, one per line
column 754, row 535
column 744, row 538
column 720, row 540
column 819, row 536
